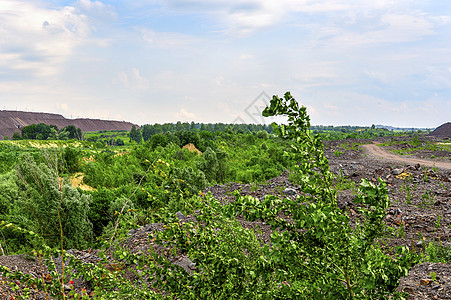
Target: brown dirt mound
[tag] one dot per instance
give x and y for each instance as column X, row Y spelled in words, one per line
column 192, row 148
column 443, row 130
column 12, row 121
column 77, row 181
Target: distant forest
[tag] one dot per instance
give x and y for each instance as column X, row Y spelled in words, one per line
column 188, row 132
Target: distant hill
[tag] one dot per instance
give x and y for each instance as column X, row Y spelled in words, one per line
column 443, row 130
column 400, row 128
column 11, row 121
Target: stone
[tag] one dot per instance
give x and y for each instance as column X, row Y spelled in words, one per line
column 180, row 215
column 397, row 171
column 290, row 192
column 424, row 281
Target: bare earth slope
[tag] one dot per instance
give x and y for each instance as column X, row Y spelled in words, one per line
column 443, row 130
column 12, row 121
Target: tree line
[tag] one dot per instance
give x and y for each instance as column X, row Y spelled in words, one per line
column 43, row 131
column 145, row 132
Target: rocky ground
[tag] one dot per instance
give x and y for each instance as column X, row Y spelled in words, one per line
column 420, row 214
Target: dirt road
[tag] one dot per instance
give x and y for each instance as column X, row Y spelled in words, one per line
column 379, row 152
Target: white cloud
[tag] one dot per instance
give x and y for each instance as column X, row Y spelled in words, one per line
column 354, row 61
column 36, row 39
column 245, row 56
column 184, row 115
column 95, row 9
column 166, row 40
column 132, row 79
column 351, row 108
column 243, row 17
column 379, row 76
column 438, row 76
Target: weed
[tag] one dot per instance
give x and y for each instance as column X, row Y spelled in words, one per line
column 437, row 252
column 401, row 232
column 427, row 199
column 425, row 175
column 415, row 141
column 406, row 187
column 433, row 276
column 438, row 221
column 342, row 183
column 254, row 186
column 337, row 153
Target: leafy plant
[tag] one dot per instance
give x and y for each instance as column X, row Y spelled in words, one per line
column 438, row 221
column 433, row 276
column 317, row 253
column 44, row 198
column 437, row 252
column 407, row 188
column 427, row 198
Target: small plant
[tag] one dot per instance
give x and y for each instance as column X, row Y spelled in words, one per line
column 254, row 186
column 406, row 187
column 342, row 183
column 438, row 221
column 425, row 175
column 337, row 153
column 437, row 252
column 401, row 232
column 415, row 141
column 427, row 199
column 433, row 276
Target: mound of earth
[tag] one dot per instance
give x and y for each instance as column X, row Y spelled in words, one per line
column 192, row 148
column 443, row 130
column 12, row 121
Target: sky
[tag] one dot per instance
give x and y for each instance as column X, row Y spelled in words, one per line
column 350, row 62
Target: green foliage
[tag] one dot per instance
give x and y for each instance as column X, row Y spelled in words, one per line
column 8, row 191
column 313, row 252
column 135, row 135
column 318, row 253
column 437, row 252
column 427, row 199
column 158, row 140
column 71, row 158
column 44, row 199
column 98, row 213
column 109, row 171
column 71, row 132
column 43, row 131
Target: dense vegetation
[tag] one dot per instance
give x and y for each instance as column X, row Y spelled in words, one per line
column 314, row 252
column 30, row 170
column 43, row 131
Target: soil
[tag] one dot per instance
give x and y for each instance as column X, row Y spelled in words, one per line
column 442, row 131
column 420, row 212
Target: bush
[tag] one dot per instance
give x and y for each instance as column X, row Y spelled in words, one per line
column 44, row 199
column 71, row 158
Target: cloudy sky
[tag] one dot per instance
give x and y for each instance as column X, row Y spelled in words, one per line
column 350, row 62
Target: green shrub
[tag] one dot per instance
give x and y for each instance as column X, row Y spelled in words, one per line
column 44, row 200
column 71, row 158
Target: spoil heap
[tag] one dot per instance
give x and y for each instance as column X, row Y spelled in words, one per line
column 13, row 121
column 443, row 130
